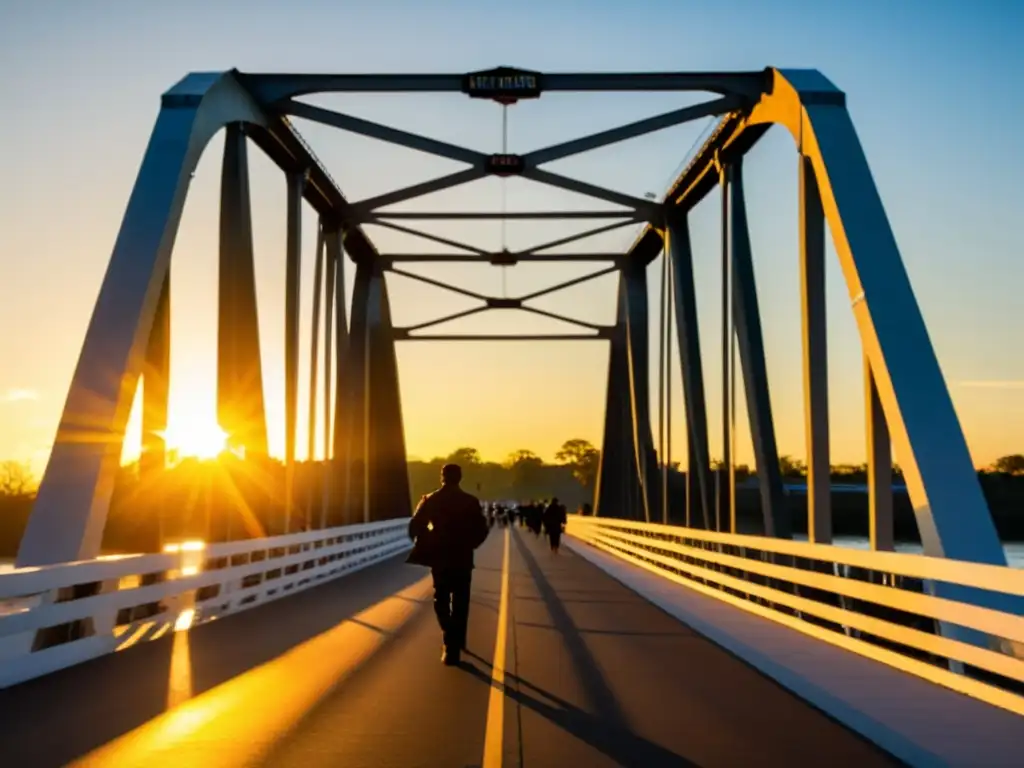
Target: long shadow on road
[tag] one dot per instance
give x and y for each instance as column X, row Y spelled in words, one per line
column 606, row 729
column 55, row 719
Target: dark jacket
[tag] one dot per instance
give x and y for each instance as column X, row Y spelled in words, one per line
column 447, row 526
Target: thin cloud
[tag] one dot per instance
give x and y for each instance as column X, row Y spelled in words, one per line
column 1011, row 384
column 19, row 395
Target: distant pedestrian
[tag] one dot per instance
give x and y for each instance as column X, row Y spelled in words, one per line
column 554, row 521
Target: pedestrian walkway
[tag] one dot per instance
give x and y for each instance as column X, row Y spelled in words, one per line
column 350, row 674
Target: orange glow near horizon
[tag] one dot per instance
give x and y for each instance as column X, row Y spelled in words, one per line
column 198, row 439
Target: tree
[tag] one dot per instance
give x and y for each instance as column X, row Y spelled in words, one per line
column 523, row 457
column 791, row 467
column 464, row 457
column 15, row 479
column 582, row 458
column 1010, row 465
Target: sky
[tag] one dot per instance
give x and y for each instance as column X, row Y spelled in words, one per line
column 933, row 88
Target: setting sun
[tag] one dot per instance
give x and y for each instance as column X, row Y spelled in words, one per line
column 203, row 441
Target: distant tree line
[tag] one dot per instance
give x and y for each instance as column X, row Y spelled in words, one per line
column 232, row 498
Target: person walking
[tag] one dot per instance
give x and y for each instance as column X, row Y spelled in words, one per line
column 554, row 521
column 446, row 528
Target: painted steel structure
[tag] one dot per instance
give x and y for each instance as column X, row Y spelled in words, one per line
column 128, row 335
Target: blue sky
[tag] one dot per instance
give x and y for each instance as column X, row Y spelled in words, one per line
column 933, row 88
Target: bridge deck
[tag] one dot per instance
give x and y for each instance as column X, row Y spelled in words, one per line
column 349, row 674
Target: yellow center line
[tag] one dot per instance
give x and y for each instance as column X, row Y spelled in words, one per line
column 495, row 729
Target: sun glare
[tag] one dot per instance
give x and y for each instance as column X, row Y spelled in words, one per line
column 202, row 441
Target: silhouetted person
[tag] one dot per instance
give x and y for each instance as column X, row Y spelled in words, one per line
column 536, row 518
column 554, row 520
column 447, row 526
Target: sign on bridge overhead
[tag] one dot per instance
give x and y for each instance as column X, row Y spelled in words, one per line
column 504, row 85
column 505, row 165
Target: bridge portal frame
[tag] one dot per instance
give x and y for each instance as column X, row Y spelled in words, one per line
column 128, row 333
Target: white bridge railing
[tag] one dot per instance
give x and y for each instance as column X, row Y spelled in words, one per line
column 879, row 604
column 56, row 616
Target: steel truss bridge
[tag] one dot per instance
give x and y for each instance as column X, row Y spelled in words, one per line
column 916, row 657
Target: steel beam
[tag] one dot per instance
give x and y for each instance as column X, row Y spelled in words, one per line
column 240, row 407
column 314, row 346
column 630, row 131
column 561, row 318
column 510, row 216
column 445, row 319
column 725, row 506
column 273, row 88
column 362, row 208
column 357, row 508
column 384, row 133
column 331, row 254
column 617, row 492
column 691, row 365
column 433, row 238
column 565, row 240
column 663, row 300
column 440, row 284
column 880, row 502
column 568, row 284
column 775, row 510
column 293, row 285
column 815, row 357
column 156, row 380
column 634, row 287
column 604, row 333
column 645, row 209
column 387, row 477
column 71, row 507
column 336, row 246
column 389, row 259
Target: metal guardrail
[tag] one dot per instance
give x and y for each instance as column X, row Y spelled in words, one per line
column 56, row 616
column 877, row 604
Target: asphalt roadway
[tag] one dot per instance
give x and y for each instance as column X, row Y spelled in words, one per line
column 349, row 674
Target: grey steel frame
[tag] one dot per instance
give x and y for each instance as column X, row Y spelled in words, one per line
column 128, row 335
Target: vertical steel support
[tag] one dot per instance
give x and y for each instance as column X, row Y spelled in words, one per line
column 357, row 488
column 342, row 384
column 662, row 344
column 666, row 489
column 331, row 251
column 880, row 506
column 388, row 489
column 618, row 484
column 240, row 407
column 747, row 317
column 725, row 508
column 156, row 379
column 314, row 371
column 638, row 346
column 293, row 275
column 815, row 357
column 314, row 346
column 692, row 369
column 71, row 507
